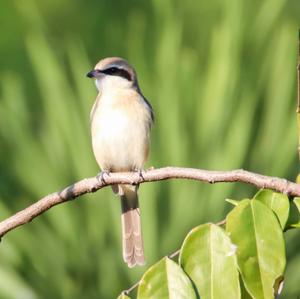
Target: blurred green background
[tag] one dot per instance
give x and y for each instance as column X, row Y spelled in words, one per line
column 221, row 76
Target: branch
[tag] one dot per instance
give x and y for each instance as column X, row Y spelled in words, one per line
column 93, row 184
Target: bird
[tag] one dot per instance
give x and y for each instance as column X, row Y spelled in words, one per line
column 121, row 120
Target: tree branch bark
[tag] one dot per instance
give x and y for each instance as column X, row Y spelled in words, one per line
column 93, row 184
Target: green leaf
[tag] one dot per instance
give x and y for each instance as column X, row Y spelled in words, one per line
column 294, row 221
column 165, row 279
column 296, row 201
column 123, row 296
column 296, row 225
column 232, row 201
column 253, row 227
column 244, row 293
column 277, row 202
column 208, row 257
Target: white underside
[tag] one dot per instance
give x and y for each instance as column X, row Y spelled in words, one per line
column 120, row 132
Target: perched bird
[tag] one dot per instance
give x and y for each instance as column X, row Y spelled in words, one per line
column 121, row 120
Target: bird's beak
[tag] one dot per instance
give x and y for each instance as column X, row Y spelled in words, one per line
column 93, row 73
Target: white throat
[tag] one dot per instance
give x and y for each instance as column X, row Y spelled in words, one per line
column 108, row 83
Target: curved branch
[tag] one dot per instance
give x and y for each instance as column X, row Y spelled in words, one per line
column 93, row 184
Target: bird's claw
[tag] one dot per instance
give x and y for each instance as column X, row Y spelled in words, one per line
column 140, row 172
column 100, row 176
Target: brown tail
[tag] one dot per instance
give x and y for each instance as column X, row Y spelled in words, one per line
column 133, row 249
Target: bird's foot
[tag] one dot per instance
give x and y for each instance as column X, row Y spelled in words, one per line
column 140, row 172
column 100, row 176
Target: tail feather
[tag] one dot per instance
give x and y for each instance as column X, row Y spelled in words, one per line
column 133, row 249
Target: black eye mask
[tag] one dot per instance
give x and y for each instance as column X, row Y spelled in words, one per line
column 115, row 71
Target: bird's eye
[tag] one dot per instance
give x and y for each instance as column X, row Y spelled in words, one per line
column 113, row 70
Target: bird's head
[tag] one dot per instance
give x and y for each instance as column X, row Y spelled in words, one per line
column 113, row 72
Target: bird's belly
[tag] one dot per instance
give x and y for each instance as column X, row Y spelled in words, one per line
column 120, row 143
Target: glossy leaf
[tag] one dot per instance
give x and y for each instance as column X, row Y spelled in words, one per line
column 232, row 201
column 165, row 280
column 253, row 227
column 294, row 221
column 296, row 201
column 208, row 257
column 244, row 293
column 277, row 202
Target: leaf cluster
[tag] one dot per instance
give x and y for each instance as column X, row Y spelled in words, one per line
column 245, row 259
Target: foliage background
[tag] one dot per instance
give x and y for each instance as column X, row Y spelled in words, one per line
column 221, row 78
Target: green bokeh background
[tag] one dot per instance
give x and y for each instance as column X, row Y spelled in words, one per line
column 221, row 76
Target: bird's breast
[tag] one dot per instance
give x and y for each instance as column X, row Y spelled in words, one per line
column 120, row 133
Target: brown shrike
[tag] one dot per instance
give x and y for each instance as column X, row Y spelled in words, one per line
column 121, row 120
